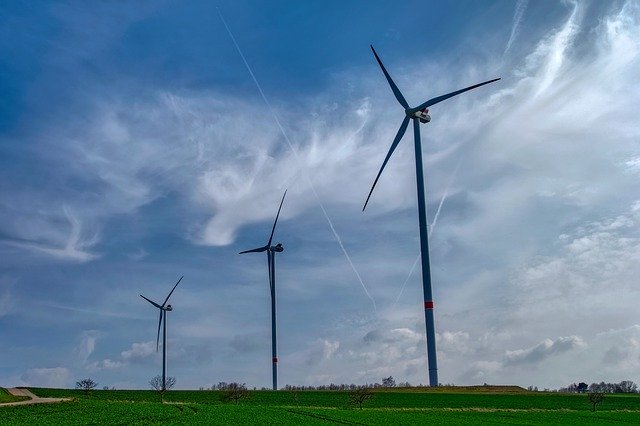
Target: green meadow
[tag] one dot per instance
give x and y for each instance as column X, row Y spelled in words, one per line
column 397, row 407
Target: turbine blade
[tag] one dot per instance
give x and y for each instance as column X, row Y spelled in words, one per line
column 152, row 302
column 159, row 325
column 269, row 262
column 256, row 250
column 276, row 221
column 401, row 130
column 394, row 88
column 439, row 99
column 174, row 287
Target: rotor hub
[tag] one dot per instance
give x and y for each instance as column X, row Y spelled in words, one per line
column 277, row 248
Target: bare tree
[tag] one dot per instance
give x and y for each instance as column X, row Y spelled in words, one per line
column 86, row 385
column 360, row 395
column 157, row 385
column 234, row 392
column 627, row 386
column 595, row 398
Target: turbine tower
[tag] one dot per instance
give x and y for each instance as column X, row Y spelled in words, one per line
column 164, row 308
column 419, row 115
column 271, row 263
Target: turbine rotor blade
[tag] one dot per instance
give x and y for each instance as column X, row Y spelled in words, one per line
column 159, row 325
column 394, row 88
column 152, row 302
column 276, row 221
column 256, row 250
column 174, row 287
column 401, row 131
column 270, row 265
column 439, row 99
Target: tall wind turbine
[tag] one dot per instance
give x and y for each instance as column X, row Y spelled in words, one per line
column 164, row 308
column 271, row 262
column 419, row 115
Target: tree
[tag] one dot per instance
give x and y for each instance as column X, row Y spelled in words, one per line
column 582, row 387
column 595, row 398
column 360, row 395
column 234, row 392
column 388, row 382
column 627, row 386
column 86, row 385
column 156, row 384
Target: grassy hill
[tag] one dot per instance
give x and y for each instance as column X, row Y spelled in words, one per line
column 7, row 397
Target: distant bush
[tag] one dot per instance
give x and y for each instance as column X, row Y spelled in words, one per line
column 234, row 392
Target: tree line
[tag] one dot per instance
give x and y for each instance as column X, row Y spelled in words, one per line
column 625, row 386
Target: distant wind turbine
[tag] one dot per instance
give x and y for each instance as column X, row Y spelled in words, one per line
column 164, row 308
column 419, row 115
column 271, row 262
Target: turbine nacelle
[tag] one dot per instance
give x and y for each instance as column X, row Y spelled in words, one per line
column 278, row 248
column 168, row 308
column 422, row 115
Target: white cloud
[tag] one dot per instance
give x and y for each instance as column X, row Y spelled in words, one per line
column 105, row 364
column 543, row 350
column 139, row 351
column 57, row 377
column 87, row 344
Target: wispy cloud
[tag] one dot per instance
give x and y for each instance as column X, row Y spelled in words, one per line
column 87, row 344
column 74, row 250
column 6, row 299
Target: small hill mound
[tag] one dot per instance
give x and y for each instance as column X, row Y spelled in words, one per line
column 510, row 389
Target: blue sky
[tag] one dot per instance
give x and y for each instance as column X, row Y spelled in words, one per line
column 135, row 148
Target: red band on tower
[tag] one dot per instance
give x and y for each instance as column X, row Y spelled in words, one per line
column 275, row 359
column 428, row 304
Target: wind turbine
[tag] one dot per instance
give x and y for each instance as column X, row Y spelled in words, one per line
column 419, row 115
column 164, row 308
column 271, row 262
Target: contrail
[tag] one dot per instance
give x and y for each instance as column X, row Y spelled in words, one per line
column 521, row 6
column 295, row 153
column 444, row 196
column 431, row 228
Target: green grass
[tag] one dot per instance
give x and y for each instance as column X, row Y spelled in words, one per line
column 397, row 407
column 7, row 397
column 98, row 412
column 383, row 399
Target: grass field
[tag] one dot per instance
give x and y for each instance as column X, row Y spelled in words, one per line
column 7, row 397
column 399, row 407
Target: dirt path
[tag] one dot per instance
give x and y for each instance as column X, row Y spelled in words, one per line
column 34, row 398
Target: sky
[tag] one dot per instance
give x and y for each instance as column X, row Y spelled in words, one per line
column 136, row 147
